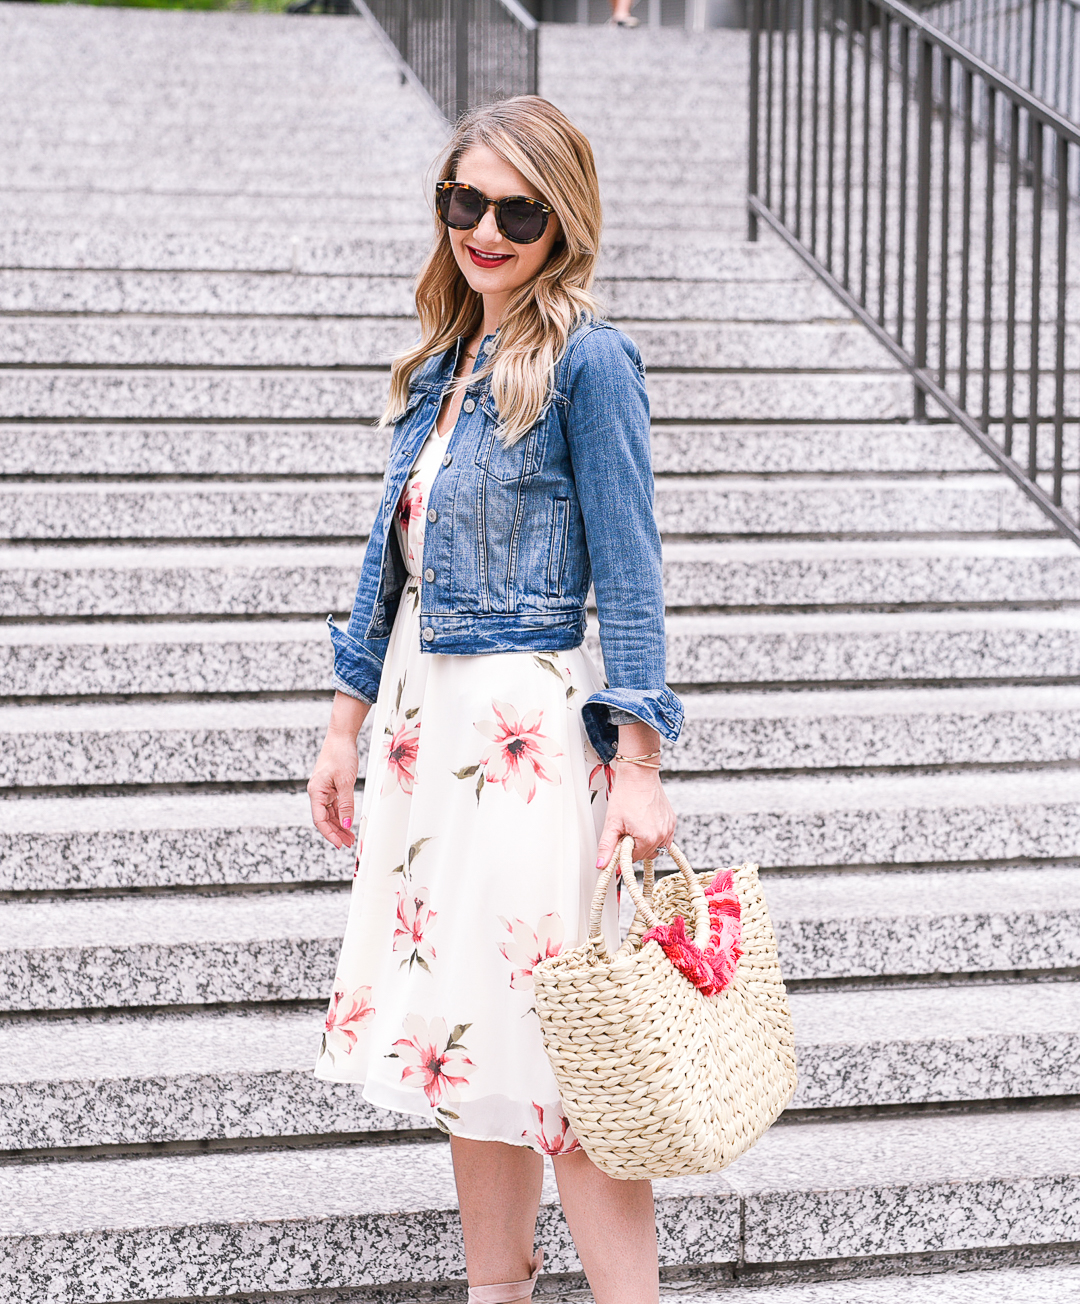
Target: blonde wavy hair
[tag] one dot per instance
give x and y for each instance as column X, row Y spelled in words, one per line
column 538, row 140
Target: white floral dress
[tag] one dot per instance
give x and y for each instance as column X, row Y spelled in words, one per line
column 483, row 803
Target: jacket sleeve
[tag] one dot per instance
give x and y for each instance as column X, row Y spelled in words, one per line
column 607, row 426
column 357, row 663
column 358, row 660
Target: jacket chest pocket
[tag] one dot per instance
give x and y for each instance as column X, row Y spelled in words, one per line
column 508, row 465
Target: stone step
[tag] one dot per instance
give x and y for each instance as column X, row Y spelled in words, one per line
column 280, row 579
column 295, row 448
column 281, row 292
column 339, row 509
column 313, row 394
column 68, row 954
column 874, row 728
column 99, row 1080
column 877, row 647
column 885, row 819
column 246, row 657
column 1024, row 1285
column 76, row 746
column 292, row 342
column 155, row 840
column 182, row 1225
column 349, row 251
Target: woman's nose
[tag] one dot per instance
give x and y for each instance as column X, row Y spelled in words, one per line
column 488, row 228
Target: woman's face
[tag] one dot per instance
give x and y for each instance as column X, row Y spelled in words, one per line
column 506, row 266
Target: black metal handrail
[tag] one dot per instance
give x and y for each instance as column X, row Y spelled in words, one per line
column 931, row 194
column 1036, row 43
column 462, row 52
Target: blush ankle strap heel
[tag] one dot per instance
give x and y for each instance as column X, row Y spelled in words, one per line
column 506, row 1292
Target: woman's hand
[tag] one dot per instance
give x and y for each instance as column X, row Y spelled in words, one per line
column 333, row 779
column 637, row 803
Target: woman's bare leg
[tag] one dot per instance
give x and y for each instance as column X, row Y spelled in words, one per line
column 614, row 1228
column 498, row 1190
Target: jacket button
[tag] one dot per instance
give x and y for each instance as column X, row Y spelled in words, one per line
column 469, row 405
column 432, row 514
column 447, row 460
column 429, row 634
column 429, row 575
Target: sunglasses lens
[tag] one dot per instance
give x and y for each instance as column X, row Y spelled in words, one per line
column 523, row 220
column 460, row 206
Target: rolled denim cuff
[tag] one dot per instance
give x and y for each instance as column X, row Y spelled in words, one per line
column 617, row 717
column 659, row 708
column 357, row 666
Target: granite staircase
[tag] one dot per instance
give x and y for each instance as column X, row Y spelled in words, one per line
column 210, row 224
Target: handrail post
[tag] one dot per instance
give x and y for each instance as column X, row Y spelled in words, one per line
column 461, row 58
column 924, row 91
column 755, row 91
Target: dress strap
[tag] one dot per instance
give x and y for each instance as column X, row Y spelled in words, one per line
column 507, row 1292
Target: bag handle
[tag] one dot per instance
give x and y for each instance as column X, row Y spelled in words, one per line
column 643, row 900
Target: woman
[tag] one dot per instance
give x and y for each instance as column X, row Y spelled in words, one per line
column 519, row 469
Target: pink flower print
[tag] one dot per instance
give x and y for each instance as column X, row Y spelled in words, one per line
column 434, row 1055
column 527, row 948
column 518, row 750
column 345, row 1018
column 410, row 505
column 600, row 777
column 402, row 748
column 414, row 918
column 562, row 1142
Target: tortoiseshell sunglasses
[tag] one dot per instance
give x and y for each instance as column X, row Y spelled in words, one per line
column 521, row 219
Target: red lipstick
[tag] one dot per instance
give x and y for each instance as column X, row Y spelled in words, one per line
column 486, row 260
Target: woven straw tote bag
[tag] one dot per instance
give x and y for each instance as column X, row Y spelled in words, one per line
column 657, row 1078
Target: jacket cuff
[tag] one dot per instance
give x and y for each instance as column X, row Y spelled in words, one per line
column 659, row 708
column 357, row 666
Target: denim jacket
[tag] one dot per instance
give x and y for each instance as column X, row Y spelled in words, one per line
column 514, row 536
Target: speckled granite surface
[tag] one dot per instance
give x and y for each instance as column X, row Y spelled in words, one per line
column 162, row 742
column 170, row 950
column 899, row 727
column 282, row 341
column 240, row 1221
column 52, row 290
column 305, row 510
column 268, row 946
column 202, row 448
column 220, row 741
column 186, row 396
column 897, row 571
column 267, row 579
column 313, row 510
column 799, row 821
column 158, row 840
column 61, row 660
column 902, row 819
column 228, row 657
column 178, row 581
column 1046, row 1285
column 864, row 647
column 110, row 1078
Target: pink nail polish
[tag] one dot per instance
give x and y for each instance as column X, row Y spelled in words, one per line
column 346, row 823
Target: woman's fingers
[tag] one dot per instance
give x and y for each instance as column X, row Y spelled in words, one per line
column 327, row 813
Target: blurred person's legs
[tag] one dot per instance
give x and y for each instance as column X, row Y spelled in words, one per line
column 620, row 13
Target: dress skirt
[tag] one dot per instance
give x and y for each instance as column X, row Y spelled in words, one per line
column 476, row 850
